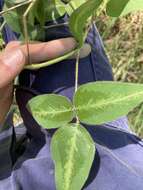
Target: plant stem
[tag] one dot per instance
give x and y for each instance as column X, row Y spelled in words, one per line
column 77, row 70
column 36, row 66
column 72, row 5
column 14, row 7
column 2, row 26
column 102, row 7
column 25, row 27
column 76, row 78
column 56, row 25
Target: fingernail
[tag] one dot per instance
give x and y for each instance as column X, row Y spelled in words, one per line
column 85, row 50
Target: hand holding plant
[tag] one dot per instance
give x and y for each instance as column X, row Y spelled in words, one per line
column 72, row 147
column 14, row 58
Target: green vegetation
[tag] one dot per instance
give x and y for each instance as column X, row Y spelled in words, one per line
column 123, row 39
column 93, row 103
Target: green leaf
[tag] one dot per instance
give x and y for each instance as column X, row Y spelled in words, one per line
column 14, row 19
column 116, row 8
column 73, row 152
column 101, row 102
column 78, row 19
column 73, row 5
column 51, row 111
column 65, row 1
column 78, row 3
column 54, row 10
column 38, row 11
column 16, row 1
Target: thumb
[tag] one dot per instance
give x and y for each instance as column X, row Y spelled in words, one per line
column 11, row 64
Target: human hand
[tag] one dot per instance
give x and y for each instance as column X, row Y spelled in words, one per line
column 15, row 57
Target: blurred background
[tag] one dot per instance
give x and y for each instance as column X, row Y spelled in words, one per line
column 123, row 40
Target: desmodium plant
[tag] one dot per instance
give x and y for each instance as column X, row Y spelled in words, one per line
column 95, row 103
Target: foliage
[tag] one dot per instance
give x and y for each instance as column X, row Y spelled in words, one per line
column 51, row 111
column 120, row 7
column 73, row 152
column 94, row 103
column 123, row 39
column 72, row 147
column 101, row 102
column 80, row 17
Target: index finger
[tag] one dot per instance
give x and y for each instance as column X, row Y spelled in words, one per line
column 13, row 60
column 45, row 51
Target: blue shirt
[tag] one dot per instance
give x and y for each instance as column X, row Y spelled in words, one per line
column 25, row 158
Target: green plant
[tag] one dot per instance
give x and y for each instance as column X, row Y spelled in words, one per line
column 94, row 103
column 123, row 43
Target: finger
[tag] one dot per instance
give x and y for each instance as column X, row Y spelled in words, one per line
column 15, row 57
column 11, row 64
column 84, row 52
column 49, row 50
column 12, row 45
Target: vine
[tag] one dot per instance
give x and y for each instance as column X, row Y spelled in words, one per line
column 92, row 102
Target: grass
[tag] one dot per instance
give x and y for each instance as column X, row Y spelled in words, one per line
column 123, row 39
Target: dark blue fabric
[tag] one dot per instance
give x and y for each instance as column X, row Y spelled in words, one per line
column 118, row 162
column 7, row 34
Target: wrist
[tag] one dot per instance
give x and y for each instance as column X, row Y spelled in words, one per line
column 4, row 109
column 6, row 99
column 6, row 93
